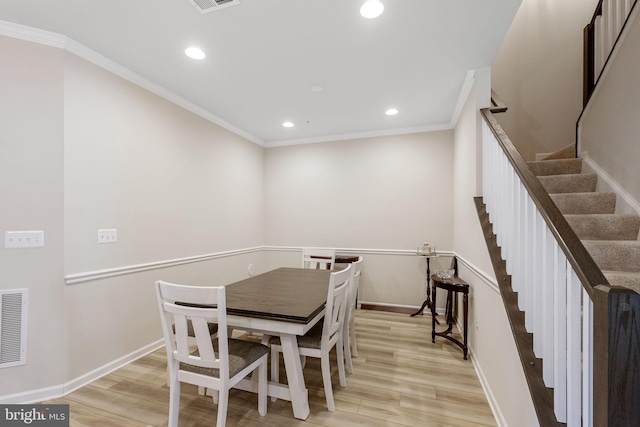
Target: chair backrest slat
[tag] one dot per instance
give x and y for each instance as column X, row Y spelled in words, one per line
column 336, row 303
column 355, row 281
column 181, row 304
column 318, row 258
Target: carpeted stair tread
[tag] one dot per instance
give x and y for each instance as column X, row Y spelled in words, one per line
column 556, row 167
column 569, row 183
column 620, row 255
column 625, row 279
column 605, row 226
column 585, row 203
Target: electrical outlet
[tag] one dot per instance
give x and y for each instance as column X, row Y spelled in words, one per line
column 23, row 239
column 107, row 235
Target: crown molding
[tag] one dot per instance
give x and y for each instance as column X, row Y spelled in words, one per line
column 35, row 35
column 360, row 135
column 467, row 85
column 48, row 38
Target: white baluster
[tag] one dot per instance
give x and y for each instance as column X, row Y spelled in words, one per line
column 527, row 304
column 587, row 359
column 607, row 26
column 560, row 337
column 501, row 204
column 548, row 267
column 532, row 309
column 598, row 47
column 508, row 228
column 618, row 17
column 628, row 4
column 574, row 354
column 517, row 220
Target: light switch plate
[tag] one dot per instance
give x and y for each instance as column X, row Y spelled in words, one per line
column 23, row 239
column 107, row 235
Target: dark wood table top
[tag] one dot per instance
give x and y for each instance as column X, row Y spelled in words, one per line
column 292, row 294
column 454, row 283
column 346, row 259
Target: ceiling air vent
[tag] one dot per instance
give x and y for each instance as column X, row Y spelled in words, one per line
column 206, row 6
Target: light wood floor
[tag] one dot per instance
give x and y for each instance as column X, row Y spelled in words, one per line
column 400, row 379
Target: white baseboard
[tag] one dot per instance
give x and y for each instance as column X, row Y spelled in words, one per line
column 625, row 202
column 493, row 402
column 54, row 392
column 383, row 304
column 33, row 396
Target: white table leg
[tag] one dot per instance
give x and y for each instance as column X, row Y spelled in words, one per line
column 295, row 378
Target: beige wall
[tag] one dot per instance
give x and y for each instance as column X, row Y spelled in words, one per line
column 173, row 184
column 376, row 194
column 494, row 351
column 83, row 149
column 538, row 74
column 31, row 179
column 610, row 129
column 386, row 192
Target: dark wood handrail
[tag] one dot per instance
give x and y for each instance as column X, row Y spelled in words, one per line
column 497, row 106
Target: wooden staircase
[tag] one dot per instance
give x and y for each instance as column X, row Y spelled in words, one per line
column 611, row 239
column 552, row 238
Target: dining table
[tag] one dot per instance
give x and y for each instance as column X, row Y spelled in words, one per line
column 284, row 302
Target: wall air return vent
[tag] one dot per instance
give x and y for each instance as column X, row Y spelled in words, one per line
column 13, row 327
column 206, row 6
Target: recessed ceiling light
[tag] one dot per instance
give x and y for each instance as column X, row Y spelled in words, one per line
column 287, row 124
column 317, row 88
column 194, row 53
column 371, row 9
column 391, row 112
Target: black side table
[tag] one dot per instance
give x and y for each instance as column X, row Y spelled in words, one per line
column 457, row 285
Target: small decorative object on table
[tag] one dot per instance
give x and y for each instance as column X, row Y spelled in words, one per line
column 426, row 249
column 446, row 273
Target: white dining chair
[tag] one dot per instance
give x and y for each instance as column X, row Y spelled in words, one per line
column 318, row 258
column 323, row 336
column 349, row 332
column 218, row 362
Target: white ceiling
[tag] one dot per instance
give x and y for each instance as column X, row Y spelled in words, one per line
column 263, row 57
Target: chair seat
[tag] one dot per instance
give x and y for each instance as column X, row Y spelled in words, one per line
column 241, row 354
column 312, row 339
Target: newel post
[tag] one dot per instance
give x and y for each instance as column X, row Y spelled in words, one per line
column 616, row 364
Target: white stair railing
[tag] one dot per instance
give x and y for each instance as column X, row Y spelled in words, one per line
column 601, row 35
column 557, row 309
column 586, row 333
